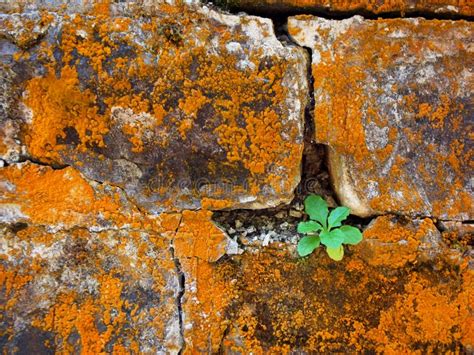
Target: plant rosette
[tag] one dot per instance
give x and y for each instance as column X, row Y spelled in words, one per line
column 326, row 228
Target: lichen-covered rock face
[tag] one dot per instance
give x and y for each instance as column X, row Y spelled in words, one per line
column 282, row 304
column 78, row 291
column 80, row 267
column 181, row 106
column 393, row 102
column 451, row 7
column 169, row 290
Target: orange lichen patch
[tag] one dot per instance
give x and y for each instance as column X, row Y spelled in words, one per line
column 25, row 30
column 215, row 204
column 339, row 121
column 192, row 103
column 195, row 80
column 437, row 116
column 88, row 290
column 53, row 196
column 11, row 282
column 316, row 305
column 58, row 104
column 427, row 314
column 198, row 243
column 184, row 126
column 67, row 317
column 63, row 197
column 387, row 242
column 208, row 293
column 198, row 237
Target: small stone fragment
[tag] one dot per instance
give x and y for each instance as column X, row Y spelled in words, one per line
column 295, row 214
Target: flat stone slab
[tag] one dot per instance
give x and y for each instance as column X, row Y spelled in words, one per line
column 181, row 106
column 393, row 101
column 438, row 7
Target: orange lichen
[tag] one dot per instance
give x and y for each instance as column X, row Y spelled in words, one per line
column 54, row 196
column 57, row 105
column 215, row 204
column 317, row 306
column 75, row 108
column 358, row 121
column 198, row 242
column 63, row 197
column 426, row 314
column 93, row 312
column 387, row 242
column 198, row 237
column 267, row 300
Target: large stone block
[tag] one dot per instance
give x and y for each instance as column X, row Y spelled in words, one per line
column 443, row 7
column 76, row 291
column 393, row 101
column 171, row 289
column 362, row 304
column 181, row 106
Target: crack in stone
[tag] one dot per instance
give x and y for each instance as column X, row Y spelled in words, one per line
column 182, row 286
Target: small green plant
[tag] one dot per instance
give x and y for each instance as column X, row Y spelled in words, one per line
column 324, row 227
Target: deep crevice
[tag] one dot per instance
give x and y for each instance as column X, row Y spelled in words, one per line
column 26, row 159
column 279, row 223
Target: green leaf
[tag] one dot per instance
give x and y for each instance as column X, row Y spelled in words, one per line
column 336, row 253
column 337, row 216
column 352, row 235
column 317, row 209
column 308, row 227
column 306, row 245
column 332, row 239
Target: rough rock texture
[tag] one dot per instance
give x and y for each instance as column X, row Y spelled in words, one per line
column 30, row 193
column 376, row 299
column 181, row 106
column 83, row 292
column 82, row 270
column 198, row 244
column 393, row 100
column 114, row 116
column 453, row 7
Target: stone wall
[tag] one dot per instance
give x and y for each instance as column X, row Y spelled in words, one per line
column 154, row 158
